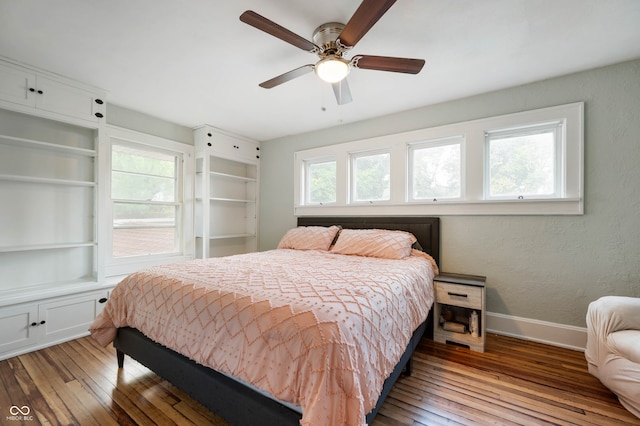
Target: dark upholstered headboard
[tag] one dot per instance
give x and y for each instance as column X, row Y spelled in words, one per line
column 426, row 229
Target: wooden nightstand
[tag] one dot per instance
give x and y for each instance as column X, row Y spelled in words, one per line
column 457, row 296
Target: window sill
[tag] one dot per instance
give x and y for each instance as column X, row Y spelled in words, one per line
column 564, row 206
column 125, row 266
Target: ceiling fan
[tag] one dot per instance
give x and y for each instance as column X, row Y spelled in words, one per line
column 330, row 42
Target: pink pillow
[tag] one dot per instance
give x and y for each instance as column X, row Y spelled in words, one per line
column 309, row 238
column 374, row 243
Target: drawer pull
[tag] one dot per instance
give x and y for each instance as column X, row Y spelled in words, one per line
column 456, row 294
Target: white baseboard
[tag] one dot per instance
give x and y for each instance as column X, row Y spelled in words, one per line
column 565, row 336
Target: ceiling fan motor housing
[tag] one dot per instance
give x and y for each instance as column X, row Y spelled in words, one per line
column 325, row 37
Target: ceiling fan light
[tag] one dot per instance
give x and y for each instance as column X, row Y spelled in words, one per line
column 332, row 69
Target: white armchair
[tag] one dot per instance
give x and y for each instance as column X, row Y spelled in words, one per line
column 613, row 347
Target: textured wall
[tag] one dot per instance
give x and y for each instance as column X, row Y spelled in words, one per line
column 539, row 267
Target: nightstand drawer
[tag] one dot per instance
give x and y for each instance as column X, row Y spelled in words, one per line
column 459, row 295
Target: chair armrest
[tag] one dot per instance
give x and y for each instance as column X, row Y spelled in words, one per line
column 614, row 313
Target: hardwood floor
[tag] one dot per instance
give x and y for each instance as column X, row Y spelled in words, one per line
column 514, row 383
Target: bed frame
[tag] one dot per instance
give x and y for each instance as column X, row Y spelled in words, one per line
column 234, row 401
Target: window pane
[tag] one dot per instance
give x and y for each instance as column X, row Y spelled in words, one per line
column 142, row 175
column 522, row 165
column 147, row 223
column 436, row 172
column 143, row 229
column 371, row 181
column 143, row 214
column 143, row 241
column 322, row 182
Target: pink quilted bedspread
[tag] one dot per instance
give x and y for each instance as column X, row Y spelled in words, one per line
column 315, row 329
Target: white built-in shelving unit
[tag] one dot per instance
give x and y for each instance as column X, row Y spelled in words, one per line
column 227, row 173
column 51, row 284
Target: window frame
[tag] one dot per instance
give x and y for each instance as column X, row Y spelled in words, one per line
column 353, row 157
column 557, row 127
column 434, row 143
column 184, row 199
column 307, row 179
column 474, row 200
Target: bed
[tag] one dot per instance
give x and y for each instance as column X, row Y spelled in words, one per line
column 356, row 376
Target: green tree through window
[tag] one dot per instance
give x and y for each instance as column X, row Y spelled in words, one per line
column 322, row 182
column 371, row 177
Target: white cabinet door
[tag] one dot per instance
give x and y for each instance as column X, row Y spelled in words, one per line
column 227, row 146
column 236, row 148
column 18, row 327
column 70, row 317
column 36, row 92
column 62, row 98
column 15, row 84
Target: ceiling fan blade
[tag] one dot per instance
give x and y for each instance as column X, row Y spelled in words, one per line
column 369, row 12
column 388, row 63
column 283, row 78
column 260, row 22
column 342, row 92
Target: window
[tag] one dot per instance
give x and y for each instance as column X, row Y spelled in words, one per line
column 526, row 163
column 523, row 162
column 435, row 169
column 148, row 204
column 321, row 182
column 370, row 177
column 146, row 210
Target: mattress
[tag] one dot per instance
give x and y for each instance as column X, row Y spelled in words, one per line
column 312, row 328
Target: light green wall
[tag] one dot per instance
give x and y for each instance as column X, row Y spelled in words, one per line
column 140, row 122
column 540, row 267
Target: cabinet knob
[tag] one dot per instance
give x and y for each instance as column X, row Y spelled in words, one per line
column 33, row 324
column 257, row 156
column 208, row 143
column 257, row 148
column 99, row 114
column 102, row 300
column 209, row 134
column 99, row 101
column 40, row 92
column 31, row 89
column 43, row 322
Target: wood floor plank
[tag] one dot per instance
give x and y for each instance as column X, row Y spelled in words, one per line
column 85, row 383
column 514, row 382
column 49, row 386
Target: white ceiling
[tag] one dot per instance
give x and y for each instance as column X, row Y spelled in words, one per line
column 193, row 62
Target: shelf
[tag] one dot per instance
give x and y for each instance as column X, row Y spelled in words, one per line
column 13, row 249
column 228, row 236
column 46, row 181
column 464, row 338
column 29, row 143
column 230, row 200
column 233, row 177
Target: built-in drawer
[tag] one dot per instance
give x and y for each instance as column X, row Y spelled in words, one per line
column 459, row 295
